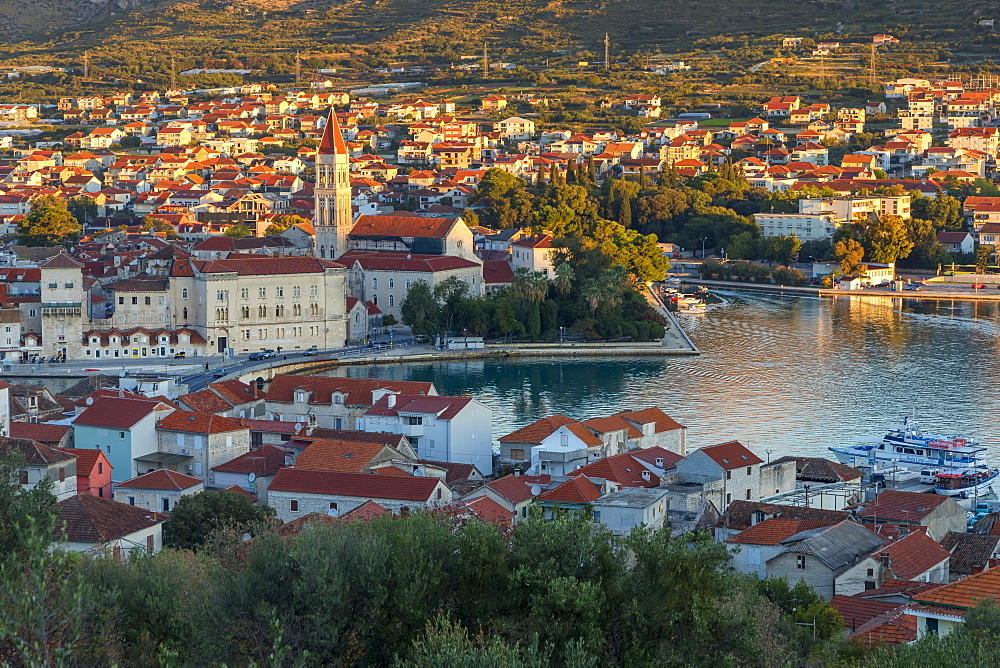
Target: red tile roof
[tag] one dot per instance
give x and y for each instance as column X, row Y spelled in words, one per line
column 392, row 261
column 894, row 627
column 965, row 593
column 265, row 460
column 901, row 506
column 773, row 531
column 325, row 454
column 444, row 408
column 90, row 519
column 32, row 453
column 539, row 430
column 403, row 226
column 911, row 556
column 402, row 488
column 898, row 588
column 624, row 469
column 115, row 412
column 367, row 511
column 161, row 479
column 482, row 508
column 513, row 488
column 650, row 455
column 356, row 391
column 857, row 611
column 86, row 459
column 577, row 489
column 200, row 423
column 731, row 455
column 662, row 421
column 39, row 431
column 265, row 265
column 239, row 490
column 604, row 425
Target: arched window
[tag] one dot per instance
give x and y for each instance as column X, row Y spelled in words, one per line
column 185, row 314
column 184, row 293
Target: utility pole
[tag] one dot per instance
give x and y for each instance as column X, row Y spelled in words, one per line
column 486, row 63
column 607, row 50
column 298, row 68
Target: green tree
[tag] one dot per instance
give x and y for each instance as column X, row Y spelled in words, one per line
column 984, row 254
column 83, row 209
column 48, row 223
column 944, row 212
column 850, row 253
column 420, row 311
column 238, row 231
column 506, row 197
column 197, row 516
column 282, row 223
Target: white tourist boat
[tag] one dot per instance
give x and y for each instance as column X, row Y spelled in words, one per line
column 691, row 305
column 907, row 445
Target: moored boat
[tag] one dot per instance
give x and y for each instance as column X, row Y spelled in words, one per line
column 907, row 445
column 965, row 483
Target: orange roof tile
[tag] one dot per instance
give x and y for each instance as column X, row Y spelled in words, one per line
column 773, row 531
column 326, row 454
column 163, row 479
column 575, row 490
column 965, row 593
column 914, row 554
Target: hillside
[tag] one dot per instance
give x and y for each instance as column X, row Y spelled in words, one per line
column 449, row 29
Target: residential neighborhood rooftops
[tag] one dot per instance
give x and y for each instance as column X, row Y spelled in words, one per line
column 116, row 412
column 965, row 593
column 901, row 506
column 731, row 455
column 32, row 453
column 970, row 552
column 263, row 461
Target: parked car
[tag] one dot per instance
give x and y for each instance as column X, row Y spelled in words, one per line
column 219, row 373
column 262, row 355
column 179, row 356
column 913, row 286
column 978, row 286
column 309, row 352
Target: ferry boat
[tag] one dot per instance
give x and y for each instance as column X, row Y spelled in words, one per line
column 906, row 445
column 965, row 483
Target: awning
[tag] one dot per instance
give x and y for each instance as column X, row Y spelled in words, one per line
column 163, row 457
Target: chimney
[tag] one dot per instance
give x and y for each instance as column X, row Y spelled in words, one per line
column 391, row 398
column 645, row 476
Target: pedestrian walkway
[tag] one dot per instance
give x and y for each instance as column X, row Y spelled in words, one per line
column 674, row 336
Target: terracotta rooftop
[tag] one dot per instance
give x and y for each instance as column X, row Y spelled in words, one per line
column 200, row 423
column 265, row 460
column 661, row 420
column 90, row 519
column 739, row 514
column 402, row 226
column 403, row 488
column 820, row 469
column 731, row 455
column 893, row 627
column 965, row 593
column 161, row 479
column 857, row 611
column 577, row 489
column 901, row 506
column 970, row 552
column 914, row 554
column 115, row 412
column 624, row 469
column 541, row 429
column 32, row 453
column 774, row 531
column 513, row 488
column 337, row 455
column 444, row 408
column 356, row 391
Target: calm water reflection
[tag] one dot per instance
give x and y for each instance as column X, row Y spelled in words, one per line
column 785, row 374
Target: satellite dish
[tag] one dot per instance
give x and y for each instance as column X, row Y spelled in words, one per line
column 251, row 477
column 535, row 490
column 90, row 401
column 333, row 512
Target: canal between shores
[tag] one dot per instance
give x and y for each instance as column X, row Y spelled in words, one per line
column 789, row 375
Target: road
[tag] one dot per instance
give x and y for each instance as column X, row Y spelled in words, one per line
column 197, row 372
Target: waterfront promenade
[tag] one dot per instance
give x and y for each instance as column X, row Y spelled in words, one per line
column 940, row 291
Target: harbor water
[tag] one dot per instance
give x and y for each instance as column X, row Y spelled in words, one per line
column 782, row 374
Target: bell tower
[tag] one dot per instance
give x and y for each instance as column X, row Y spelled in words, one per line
column 333, row 218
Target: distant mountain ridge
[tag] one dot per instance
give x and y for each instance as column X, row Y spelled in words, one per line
column 520, row 26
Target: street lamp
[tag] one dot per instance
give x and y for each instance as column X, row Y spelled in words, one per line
column 703, row 240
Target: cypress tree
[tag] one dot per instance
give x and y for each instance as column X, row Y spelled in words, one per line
column 571, row 172
column 556, row 177
column 541, row 176
column 591, row 172
column 625, row 212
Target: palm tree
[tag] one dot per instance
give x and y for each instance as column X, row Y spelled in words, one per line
column 593, row 294
column 529, row 285
column 563, row 281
